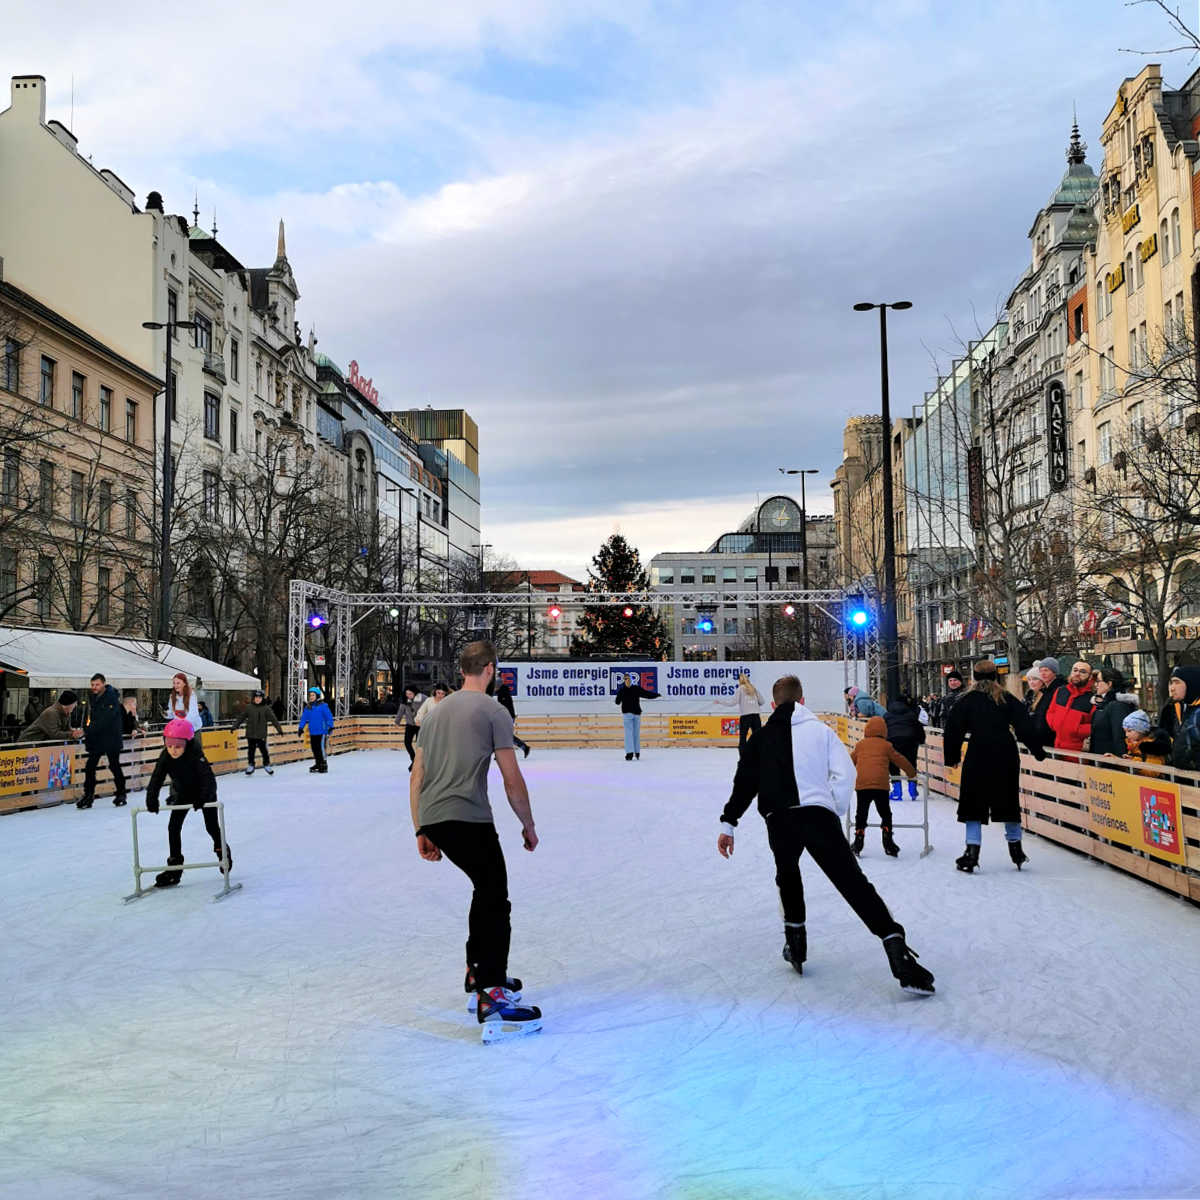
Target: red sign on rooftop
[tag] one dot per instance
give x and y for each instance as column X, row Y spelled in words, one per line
column 365, row 386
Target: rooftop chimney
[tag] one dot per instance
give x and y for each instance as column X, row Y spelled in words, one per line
column 29, row 95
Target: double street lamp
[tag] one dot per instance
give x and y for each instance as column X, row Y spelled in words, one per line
column 802, row 471
column 887, row 618
column 168, row 483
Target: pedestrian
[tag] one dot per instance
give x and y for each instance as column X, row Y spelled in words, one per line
column 131, row 725
column 1185, row 744
column 54, row 723
column 406, row 717
column 1171, row 716
column 1069, row 713
column 182, row 703
column 452, row 816
column 629, row 698
column 318, row 719
column 206, row 717
column 859, row 704
column 256, row 716
column 874, row 756
column 1112, row 702
column 907, row 734
column 748, row 701
column 102, row 735
column 990, row 783
column 192, row 781
column 945, row 704
column 803, row 777
column 504, row 698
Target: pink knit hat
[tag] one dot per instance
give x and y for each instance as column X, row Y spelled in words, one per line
column 178, row 730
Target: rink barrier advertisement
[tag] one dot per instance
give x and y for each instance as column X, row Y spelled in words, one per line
column 1109, row 809
column 38, row 769
column 689, row 728
column 220, row 747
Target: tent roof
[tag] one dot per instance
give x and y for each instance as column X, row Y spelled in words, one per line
column 54, row 659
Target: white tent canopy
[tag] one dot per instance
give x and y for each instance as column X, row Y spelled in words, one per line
column 53, row 659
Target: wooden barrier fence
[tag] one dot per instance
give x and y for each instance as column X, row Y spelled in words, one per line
column 1055, row 805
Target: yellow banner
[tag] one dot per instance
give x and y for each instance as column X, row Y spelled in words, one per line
column 842, row 729
column 47, row 768
column 701, row 727
column 1136, row 811
column 220, row 746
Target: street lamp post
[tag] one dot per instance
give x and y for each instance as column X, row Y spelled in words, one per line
column 168, row 483
column 802, row 471
column 888, row 636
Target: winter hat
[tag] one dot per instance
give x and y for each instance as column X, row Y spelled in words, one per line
column 984, row 669
column 1137, row 722
column 257, row 695
column 178, row 730
column 67, row 697
column 1191, row 678
column 850, row 692
column 954, row 674
column 1050, row 664
column 875, row 727
column 1033, row 675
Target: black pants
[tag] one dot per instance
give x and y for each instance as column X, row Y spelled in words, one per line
column 747, row 724
column 520, row 745
column 819, row 831
column 253, row 744
column 317, row 742
column 474, row 849
column 175, row 829
column 114, row 765
column 410, row 736
column 880, row 798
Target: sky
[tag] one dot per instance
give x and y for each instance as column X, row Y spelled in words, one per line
column 626, row 237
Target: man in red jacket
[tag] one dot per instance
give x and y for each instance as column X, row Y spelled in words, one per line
column 1069, row 712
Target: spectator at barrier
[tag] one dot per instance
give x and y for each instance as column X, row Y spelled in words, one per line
column 406, row 717
column 54, row 724
column 206, row 717
column 954, row 690
column 629, row 697
column 131, row 724
column 102, row 735
column 1069, row 713
column 1112, row 702
column 1145, row 742
column 1185, row 746
column 181, row 703
column 859, row 704
column 1172, row 712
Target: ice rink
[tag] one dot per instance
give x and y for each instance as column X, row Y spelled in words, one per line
column 307, row 1037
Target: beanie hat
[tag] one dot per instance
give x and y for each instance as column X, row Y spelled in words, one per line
column 67, row 697
column 851, row 692
column 1137, row 722
column 1190, row 676
column 1033, row 675
column 257, row 692
column 984, row 669
column 1050, row 664
column 178, row 730
column 954, row 674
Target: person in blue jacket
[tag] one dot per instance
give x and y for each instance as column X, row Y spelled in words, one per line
column 319, row 720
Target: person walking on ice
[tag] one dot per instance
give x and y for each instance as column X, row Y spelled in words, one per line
column 452, row 816
column 317, row 718
column 990, row 784
column 748, row 701
column 803, row 777
column 256, row 716
column 629, row 697
column 192, row 782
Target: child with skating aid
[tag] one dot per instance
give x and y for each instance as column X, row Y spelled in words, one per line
column 192, row 782
column 317, row 718
column 872, row 758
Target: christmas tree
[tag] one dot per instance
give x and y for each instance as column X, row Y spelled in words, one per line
column 608, row 631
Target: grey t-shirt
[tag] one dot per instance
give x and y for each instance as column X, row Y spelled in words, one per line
column 456, row 741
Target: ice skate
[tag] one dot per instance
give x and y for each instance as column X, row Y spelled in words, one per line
column 84, row 802
column 166, row 879
column 857, row 844
column 629, row 758
column 912, row 789
column 250, row 769
column 502, row 1018
column 323, row 769
column 889, row 845
column 638, row 757
column 795, row 946
column 912, row 977
column 895, row 795
column 1017, row 853
column 314, row 769
column 269, row 770
column 511, row 985
column 119, row 801
column 969, row 859
column 226, row 864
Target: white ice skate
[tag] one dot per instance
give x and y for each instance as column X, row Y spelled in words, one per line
column 502, row 1019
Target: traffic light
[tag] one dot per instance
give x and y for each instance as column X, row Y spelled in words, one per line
column 554, row 612
column 704, row 624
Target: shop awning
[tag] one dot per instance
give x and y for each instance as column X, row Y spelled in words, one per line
column 52, row 659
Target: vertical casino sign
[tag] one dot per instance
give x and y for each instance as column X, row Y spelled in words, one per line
column 1056, row 435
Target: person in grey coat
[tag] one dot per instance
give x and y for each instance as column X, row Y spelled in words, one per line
column 406, row 718
column 256, row 716
column 53, row 724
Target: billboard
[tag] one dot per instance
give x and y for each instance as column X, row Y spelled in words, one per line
column 1141, row 813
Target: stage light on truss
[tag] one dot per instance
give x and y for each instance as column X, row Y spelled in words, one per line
column 627, row 612
column 317, row 621
column 789, row 610
column 554, row 612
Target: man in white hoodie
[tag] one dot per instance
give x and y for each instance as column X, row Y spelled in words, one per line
column 804, row 780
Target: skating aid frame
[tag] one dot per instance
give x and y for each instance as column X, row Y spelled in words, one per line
column 139, row 870
column 923, row 826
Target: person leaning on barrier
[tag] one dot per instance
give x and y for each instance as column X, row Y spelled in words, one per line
column 53, row 724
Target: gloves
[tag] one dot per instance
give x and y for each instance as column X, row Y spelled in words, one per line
column 198, row 803
column 152, row 804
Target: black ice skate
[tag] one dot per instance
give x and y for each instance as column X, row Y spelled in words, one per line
column 250, row 769
column 225, row 864
column 889, row 845
column 269, row 770
column 969, row 859
column 857, row 844
column 510, row 984
column 84, row 802
column 795, row 946
column 502, row 1018
column 1017, row 854
column 119, row 801
column 913, row 977
column 629, row 758
column 314, row 769
column 166, row 879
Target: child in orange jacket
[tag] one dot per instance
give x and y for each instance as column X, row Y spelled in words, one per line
column 871, row 757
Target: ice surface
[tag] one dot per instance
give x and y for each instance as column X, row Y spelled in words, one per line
column 307, row 1037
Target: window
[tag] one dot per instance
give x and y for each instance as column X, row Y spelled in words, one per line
column 129, row 601
column 729, row 574
column 12, row 476
column 1168, row 324
column 666, row 575
column 1099, row 301
column 1138, row 266
column 174, row 397
column 708, row 574
column 1035, row 485
column 130, row 513
column 233, row 431
column 76, row 498
column 1164, row 241
column 749, row 574
column 687, row 574
column 731, row 626
column 75, row 593
column 12, row 365
column 77, row 385
column 234, row 351
column 8, row 578
column 173, row 311
column 212, row 495
column 1108, row 303
column 203, row 333
column 1104, row 442
column 130, row 420
column 46, row 489
column 1133, row 350
column 106, row 409
column 46, row 395
column 688, row 625
column 1135, row 418
column 1078, row 322
column 103, row 590
column 1021, row 488
column 105, row 514
column 1081, row 457
column 212, row 416
column 1080, row 393
column 258, row 378
column 1189, row 590
column 1176, row 235
column 791, row 574
column 1129, row 270
column 45, row 588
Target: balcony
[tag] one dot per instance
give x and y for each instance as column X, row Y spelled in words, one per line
column 214, row 365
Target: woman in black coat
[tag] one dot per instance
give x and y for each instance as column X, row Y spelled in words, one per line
column 1112, row 703
column 990, row 785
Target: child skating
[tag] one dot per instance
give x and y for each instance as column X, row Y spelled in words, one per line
column 317, row 718
column 256, row 716
column 873, row 757
column 192, row 782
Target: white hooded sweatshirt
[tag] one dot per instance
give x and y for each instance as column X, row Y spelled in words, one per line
column 822, row 765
